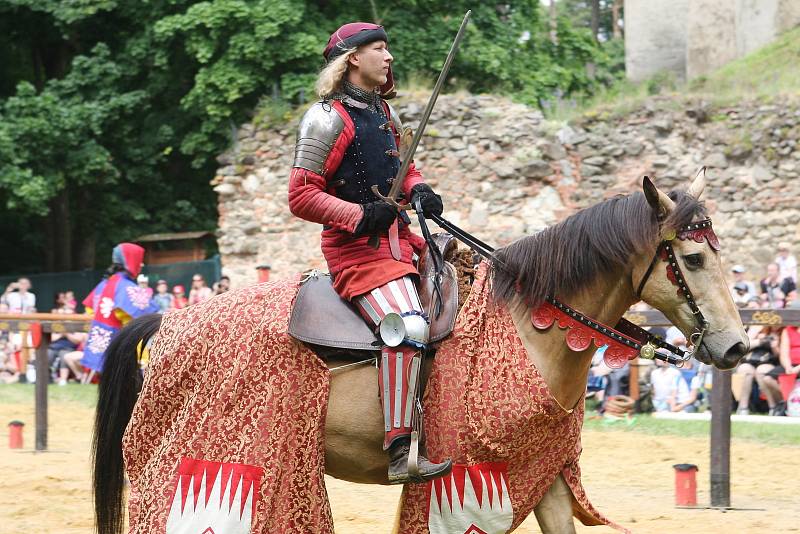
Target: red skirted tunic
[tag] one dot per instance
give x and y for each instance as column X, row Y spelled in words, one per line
column 356, row 267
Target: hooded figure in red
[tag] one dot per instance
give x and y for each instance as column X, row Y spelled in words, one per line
column 347, row 143
column 114, row 301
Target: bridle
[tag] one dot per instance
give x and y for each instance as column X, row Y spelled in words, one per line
column 626, row 340
column 697, row 231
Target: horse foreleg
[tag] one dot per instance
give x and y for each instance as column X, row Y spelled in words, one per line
column 554, row 511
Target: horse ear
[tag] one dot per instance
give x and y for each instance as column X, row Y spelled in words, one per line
column 658, row 200
column 698, row 184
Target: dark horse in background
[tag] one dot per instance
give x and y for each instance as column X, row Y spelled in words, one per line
column 593, row 261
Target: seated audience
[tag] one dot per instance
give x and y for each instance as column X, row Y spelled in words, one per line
column 162, row 297
column 70, row 361
column 143, row 281
column 789, row 363
column 200, row 291
column 18, row 297
column 669, row 389
column 762, row 358
column 223, row 285
column 774, row 289
column 741, row 288
column 180, row 301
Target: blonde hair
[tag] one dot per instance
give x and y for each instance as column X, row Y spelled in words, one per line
column 331, row 76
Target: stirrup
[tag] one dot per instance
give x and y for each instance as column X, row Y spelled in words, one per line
column 413, row 457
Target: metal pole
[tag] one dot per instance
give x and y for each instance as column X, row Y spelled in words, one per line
column 42, row 379
column 721, row 439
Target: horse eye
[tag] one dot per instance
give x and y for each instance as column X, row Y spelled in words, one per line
column 693, row 261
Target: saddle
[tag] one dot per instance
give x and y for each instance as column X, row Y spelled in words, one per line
column 321, row 318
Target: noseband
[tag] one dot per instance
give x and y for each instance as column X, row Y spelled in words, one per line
column 697, row 231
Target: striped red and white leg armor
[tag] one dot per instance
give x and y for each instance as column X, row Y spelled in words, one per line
column 396, row 311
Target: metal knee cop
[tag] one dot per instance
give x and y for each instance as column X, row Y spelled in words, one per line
column 411, row 328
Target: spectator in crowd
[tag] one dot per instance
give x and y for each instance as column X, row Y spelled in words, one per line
column 761, row 359
column 180, row 301
column 775, row 289
column 675, row 337
column 669, row 389
column 115, row 301
column 163, row 298
column 57, row 351
column 740, row 294
column 8, row 368
column 605, row 381
column 200, row 291
column 70, row 302
column 64, row 302
column 222, row 285
column 143, row 281
column 740, row 281
column 19, row 298
column 787, row 263
column 8, row 365
column 73, row 363
column 789, row 364
column 58, row 302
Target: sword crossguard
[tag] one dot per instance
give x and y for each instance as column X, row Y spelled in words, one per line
column 390, row 200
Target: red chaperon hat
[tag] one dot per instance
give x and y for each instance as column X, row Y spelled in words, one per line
column 353, row 35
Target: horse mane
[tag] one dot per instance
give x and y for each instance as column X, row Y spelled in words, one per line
column 595, row 241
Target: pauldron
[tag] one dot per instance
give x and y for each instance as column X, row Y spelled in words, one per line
column 319, row 129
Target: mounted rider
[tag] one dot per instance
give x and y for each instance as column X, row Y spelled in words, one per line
column 347, row 143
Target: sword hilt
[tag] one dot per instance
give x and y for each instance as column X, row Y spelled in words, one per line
column 375, row 240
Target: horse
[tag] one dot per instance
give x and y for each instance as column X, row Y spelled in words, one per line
column 599, row 261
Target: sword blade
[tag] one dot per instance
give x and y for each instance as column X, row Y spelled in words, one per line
column 401, row 174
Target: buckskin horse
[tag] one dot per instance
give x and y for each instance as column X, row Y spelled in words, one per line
column 504, row 371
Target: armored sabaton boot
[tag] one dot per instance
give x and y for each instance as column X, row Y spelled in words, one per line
column 399, row 385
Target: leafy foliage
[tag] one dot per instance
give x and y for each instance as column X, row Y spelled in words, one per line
column 112, row 113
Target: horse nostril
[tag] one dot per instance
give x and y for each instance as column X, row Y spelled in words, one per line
column 736, row 352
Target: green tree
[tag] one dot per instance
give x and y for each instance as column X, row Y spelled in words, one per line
column 112, row 113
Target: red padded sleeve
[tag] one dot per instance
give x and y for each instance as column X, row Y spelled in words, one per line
column 413, row 177
column 309, row 200
column 308, row 191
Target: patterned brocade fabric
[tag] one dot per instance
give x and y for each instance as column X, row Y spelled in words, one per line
column 488, row 408
column 229, row 427
column 230, row 392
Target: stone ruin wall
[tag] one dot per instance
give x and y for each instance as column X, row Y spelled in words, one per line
column 691, row 38
column 504, row 171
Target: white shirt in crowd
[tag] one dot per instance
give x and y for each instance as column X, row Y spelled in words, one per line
column 675, row 337
column 668, row 381
column 19, row 303
column 787, row 266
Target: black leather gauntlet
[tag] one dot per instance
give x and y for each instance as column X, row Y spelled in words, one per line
column 431, row 202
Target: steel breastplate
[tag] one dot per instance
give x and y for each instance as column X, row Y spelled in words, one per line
column 371, row 159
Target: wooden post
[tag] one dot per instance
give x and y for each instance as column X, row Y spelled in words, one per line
column 42, row 380
column 720, row 471
column 633, row 379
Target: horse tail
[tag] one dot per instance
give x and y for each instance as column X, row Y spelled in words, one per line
column 119, row 387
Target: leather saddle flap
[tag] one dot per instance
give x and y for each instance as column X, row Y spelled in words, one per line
column 321, row 317
column 443, row 324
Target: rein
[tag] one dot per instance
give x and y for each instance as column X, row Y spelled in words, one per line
column 626, row 340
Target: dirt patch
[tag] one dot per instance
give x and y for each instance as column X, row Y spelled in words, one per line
column 627, row 475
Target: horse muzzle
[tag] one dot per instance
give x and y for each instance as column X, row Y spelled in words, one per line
column 727, row 358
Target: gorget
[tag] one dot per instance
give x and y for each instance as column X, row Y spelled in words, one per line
column 355, row 96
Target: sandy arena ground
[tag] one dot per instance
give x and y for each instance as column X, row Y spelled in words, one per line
column 628, row 476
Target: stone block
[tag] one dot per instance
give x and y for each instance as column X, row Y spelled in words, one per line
column 717, row 160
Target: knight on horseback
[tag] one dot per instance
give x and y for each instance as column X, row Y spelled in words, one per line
column 347, row 143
